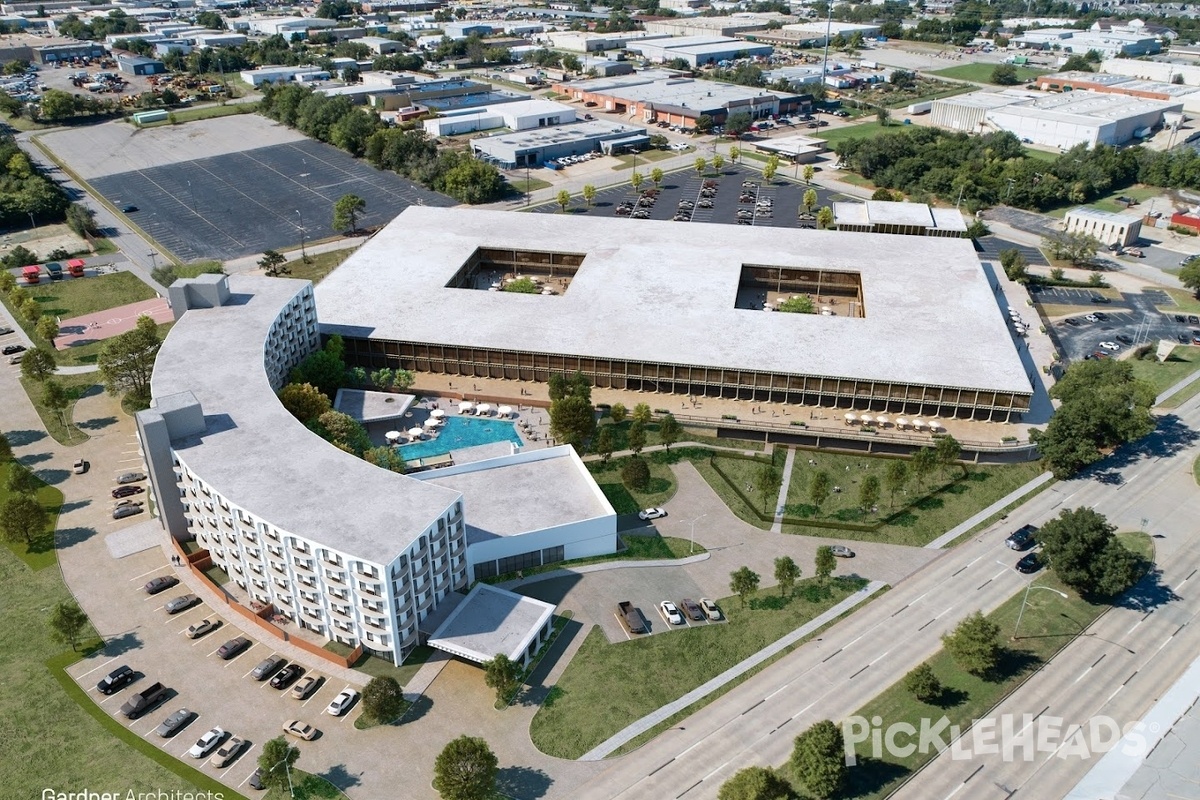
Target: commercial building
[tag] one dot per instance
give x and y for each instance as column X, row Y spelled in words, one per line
column 1103, row 83
column 134, row 64
column 287, row 27
column 698, row 51
column 257, row 77
column 905, row 219
column 48, row 54
column 1162, row 71
column 532, row 147
column 519, row 116
column 660, row 96
column 462, row 30
column 1054, row 120
column 715, row 26
column 1105, row 226
column 813, row 34
column 348, row 551
column 416, row 297
column 379, row 45
column 1109, row 44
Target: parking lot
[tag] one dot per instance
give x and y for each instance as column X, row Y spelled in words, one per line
column 1127, row 323
column 783, row 196
column 990, row 247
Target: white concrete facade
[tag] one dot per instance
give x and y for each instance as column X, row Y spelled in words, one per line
column 1108, row 228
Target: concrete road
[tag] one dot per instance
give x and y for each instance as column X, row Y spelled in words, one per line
column 755, row 723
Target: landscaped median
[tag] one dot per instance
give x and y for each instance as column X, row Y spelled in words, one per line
column 607, row 687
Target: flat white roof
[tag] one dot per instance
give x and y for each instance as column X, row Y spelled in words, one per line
column 491, row 621
column 664, row 292
column 1103, row 216
column 368, row 407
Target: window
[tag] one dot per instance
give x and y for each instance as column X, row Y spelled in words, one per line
column 520, row 561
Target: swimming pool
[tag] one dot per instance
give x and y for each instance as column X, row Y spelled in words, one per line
column 461, row 432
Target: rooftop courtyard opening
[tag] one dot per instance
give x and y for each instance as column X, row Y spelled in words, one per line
column 495, row 268
column 833, row 292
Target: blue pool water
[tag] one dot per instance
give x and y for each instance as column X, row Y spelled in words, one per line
column 461, row 432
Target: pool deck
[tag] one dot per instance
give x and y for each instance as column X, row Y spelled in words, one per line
column 536, row 435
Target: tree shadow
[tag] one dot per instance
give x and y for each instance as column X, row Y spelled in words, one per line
column 53, row 476
column 74, row 505
column 96, row 423
column 415, row 711
column 92, row 391
column 1170, row 437
column 340, row 777
column 22, row 438
column 1015, row 662
column 524, row 782
column 121, row 644
column 929, row 503
column 869, row 776
column 35, row 458
column 1147, row 594
column 69, row 537
column 949, row 698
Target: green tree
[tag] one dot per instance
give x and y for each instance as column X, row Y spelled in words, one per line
column 635, row 180
column 384, row 458
column 641, row 413
column 868, row 492
column 67, row 623
column 31, row 310
column 718, row 161
column 754, row 783
column 669, row 430
column 1081, row 547
column 589, row 194
column 769, row 169
column 618, row 413
column 895, row 477
column 636, row 437
column 635, row 473
column 343, row 431
column 126, row 361
column 47, row 328
column 56, row 398
column 825, row 218
column 700, row 165
column 57, row 105
column 573, row 420
column 735, row 153
column 974, row 644
column 810, row 200
column 767, row 481
column 824, row 563
column 21, row 480
column 656, row 175
column 22, row 518
column 571, row 63
column 1077, row 63
column 82, row 220
column 564, row 199
column 1005, row 75
column 276, row 762
column 819, row 487
column 1015, row 266
column 383, row 699
column 346, row 212
column 923, row 683
column 819, row 759
column 1189, row 276
column 6, row 451
column 800, row 304
column 786, row 574
column 883, row 116
column 274, row 264
column 808, row 176
column 502, row 674
column 465, row 770
column 603, row 446
column 324, row 369
column 743, row 582
column 947, row 449
column 38, row 364
column 924, row 462
column 304, row 401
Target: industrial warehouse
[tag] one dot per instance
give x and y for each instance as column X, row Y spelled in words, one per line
column 426, row 294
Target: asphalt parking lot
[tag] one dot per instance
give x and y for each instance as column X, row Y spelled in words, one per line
column 1134, row 316
column 785, row 196
column 990, row 247
column 238, row 204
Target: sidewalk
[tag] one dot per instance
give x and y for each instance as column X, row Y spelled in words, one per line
column 966, row 525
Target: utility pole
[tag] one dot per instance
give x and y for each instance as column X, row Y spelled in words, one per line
column 828, row 28
column 303, row 253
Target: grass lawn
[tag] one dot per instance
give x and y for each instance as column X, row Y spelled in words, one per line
column 72, row 298
column 629, row 160
column 532, row 185
column 1049, row 624
column 861, row 131
column 855, row 179
column 1182, row 363
column 1043, row 155
column 1196, row 469
column 627, row 501
column 943, row 503
column 306, row 786
column 1063, row 309
column 76, row 386
column 319, row 264
column 608, row 686
column 633, row 546
column 38, row 553
column 1185, row 301
column 982, row 73
column 377, row 667
column 1182, row 396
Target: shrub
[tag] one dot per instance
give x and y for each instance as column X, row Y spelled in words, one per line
column 635, row 474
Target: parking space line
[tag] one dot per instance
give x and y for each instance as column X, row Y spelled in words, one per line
column 144, row 574
column 244, row 754
column 93, row 669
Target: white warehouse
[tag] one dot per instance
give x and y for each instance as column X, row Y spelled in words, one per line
column 519, row 116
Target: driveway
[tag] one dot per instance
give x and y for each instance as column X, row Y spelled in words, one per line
column 1134, row 316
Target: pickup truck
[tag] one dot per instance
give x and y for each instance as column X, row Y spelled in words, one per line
column 144, row 700
column 631, row 617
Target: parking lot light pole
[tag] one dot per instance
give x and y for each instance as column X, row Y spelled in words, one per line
column 303, row 254
column 692, row 535
column 1025, row 600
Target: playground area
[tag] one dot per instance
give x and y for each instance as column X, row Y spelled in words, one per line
column 100, row 325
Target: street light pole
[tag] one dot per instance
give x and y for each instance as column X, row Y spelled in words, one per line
column 692, row 535
column 1025, row 600
column 303, row 254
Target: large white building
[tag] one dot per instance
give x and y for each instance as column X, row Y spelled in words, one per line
column 519, row 116
column 1109, row 44
column 349, row 551
column 1105, row 226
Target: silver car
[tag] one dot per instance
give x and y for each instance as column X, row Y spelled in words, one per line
column 131, row 477
column 174, row 723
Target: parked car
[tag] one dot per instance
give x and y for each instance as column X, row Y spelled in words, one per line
column 301, row 730
column 127, row 511
column 1110, row 346
column 227, row 752
column 125, row 491
column 255, row 781
column 1180, row 318
column 1184, row 338
column 710, row 609
column 286, row 676
column 207, row 743
column 174, row 723
column 1124, row 338
column 1022, row 538
column 4, row 331
column 671, row 612
column 81, row 466
column 1092, row 318
column 1029, row 563
column 181, row 603
column 128, row 208
column 160, row 584
column 841, row 551
column 1071, row 321
column 342, row 702
column 692, row 609
column 202, row 627
column 1100, row 315
column 131, row 477
column 14, row 348
column 116, row 680
column 1099, row 298
column 1193, row 319
column 652, row 513
column 267, row 667
column 232, row 648
column 304, row 687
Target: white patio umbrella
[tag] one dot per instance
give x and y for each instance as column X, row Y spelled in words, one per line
column 483, row 409
column 867, row 419
column 465, row 405
column 918, row 423
column 415, row 433
column 504, row 411
column 851, row 418
column 934, row 425
column 392, row 436
column 437, row 413
column 901, row 422
column 882, row 419
column 431, row 423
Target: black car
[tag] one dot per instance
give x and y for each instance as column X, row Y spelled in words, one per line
column 1029, row 563
column 1184, row 338
column 161, row 583
column 14, row 348
column 1099, row 298
column 1072, row 321
column 128, row 208
column 1124, row 338
column 255, row 781
column 1193, row 319
column 1180, row 318
column 1021, row 538
column 232, row 648
column 286, row 676
column 1100, row 315
column 116, row 680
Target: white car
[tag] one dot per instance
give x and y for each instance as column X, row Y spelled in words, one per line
column 652, row 513
column 206, row 743
column 671, row 612
column 1110, row 346
column 342, row 702
column 710, row 609
column 1092, row 318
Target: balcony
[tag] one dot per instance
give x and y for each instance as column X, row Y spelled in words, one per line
column 379, row 627
column 303, row 566
column 336, row 577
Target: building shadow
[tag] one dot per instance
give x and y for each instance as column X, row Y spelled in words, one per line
column 553, row 590
column 523, row 782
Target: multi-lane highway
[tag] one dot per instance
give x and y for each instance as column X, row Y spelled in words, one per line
column 755, row 723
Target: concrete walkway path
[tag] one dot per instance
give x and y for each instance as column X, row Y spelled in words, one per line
column 777, row 525
column 602, row 566
column 1181, row 385
column 647, row 722
column 656, row 447
column 966, row 525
